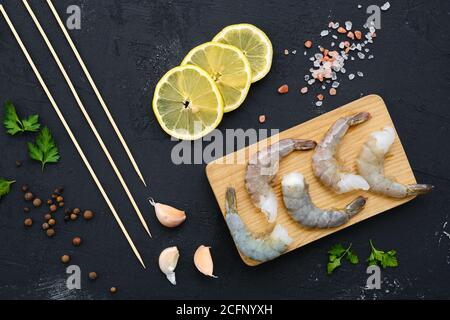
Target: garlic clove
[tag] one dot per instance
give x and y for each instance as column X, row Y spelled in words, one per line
column 203, row 261
column 168, row 216
column 168, row 260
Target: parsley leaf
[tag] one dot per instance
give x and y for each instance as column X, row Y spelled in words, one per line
column 385, row 259
column 10, row 120
column 333, row 265
column 14, row 125
column 336, row 250
column 5, row 187
column 45, row 149
column 336, row 253
column 352, row 257
column 31, row 123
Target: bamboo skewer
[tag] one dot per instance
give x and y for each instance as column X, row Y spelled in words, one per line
column 70, row 133
column 87, row 116
column 97, row 92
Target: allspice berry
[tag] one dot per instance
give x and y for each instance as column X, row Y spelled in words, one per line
column 65, row 258
column 76, row 210
column 73, row 217
column 92, row 275
column 88, row 215
column 37, row 202
column 49, row 202
column 28, row 222
column 61, row 204
column 47, row 216
column 53, row 208
column 50, row 232
column 51, row 222
column 59, row 199
column 76, row 241
column 113, row 290
column 45, row 226
column 29, row 196
column 24, row 188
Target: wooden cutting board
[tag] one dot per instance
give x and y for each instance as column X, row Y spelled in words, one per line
column 225, row 172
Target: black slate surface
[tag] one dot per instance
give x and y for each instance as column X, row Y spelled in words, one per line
column 128, row 45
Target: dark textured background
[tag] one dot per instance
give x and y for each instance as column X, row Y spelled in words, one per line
column 128, row 45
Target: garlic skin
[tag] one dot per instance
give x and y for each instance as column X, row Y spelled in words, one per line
column 203, row 261
column 168, row 216
column 168, row 260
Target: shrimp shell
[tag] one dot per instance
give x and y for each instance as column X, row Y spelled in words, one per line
column 370, row 165
column 301, row 208
column 264, row 248
column 262, row 169
column 324, row 163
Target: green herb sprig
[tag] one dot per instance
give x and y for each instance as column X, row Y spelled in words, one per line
column 336, row 253
column 14, row 125
column 385, row 259
column 5, row 186
column 45, row 149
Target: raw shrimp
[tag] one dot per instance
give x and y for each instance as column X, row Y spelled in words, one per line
column 263, row 248
column 262, row 169
column 371, row 166
column 324, row 163
column 302, row 209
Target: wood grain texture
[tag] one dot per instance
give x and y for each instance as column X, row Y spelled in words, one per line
column 230, row 171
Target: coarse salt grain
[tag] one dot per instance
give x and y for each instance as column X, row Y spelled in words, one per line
column 286, row 52
column 351, row 76
column 360, row 74
column 319, row 103
column 361, row 55
column 304, row 90
column 386, row 6
column 283, row 89
column 348, row 25
column 324, row 33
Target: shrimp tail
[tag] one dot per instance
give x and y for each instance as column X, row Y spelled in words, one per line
column 359, row 118
column 230, row 200
column 418, row 189
column 301, row 144
column 263, row 248
column 355, row 206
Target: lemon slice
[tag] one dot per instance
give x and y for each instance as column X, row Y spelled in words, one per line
column 253, row 42
column 227, row 66
column 187, row 103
